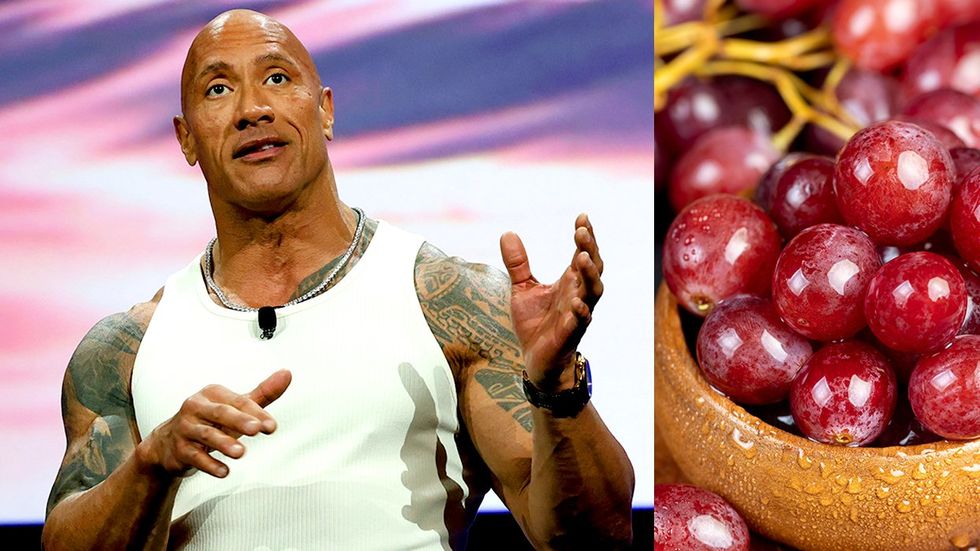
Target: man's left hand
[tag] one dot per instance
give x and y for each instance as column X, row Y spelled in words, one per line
column 550, row 320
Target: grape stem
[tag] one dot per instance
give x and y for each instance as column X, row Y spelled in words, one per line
column 705, row 51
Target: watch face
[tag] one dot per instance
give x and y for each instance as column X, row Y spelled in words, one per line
column 588, row 377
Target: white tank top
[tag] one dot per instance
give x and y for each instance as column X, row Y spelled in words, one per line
column 364, row 456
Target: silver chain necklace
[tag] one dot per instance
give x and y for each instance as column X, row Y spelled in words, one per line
column 267, row 314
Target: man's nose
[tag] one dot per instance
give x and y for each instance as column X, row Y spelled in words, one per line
column 252, row 110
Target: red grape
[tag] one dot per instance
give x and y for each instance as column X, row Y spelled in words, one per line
column 693, row 107
column 804, row 196
column 956, row 111
column 725, row 160
column 688, row 518
column 971, row 321
column 950, row 59
column 916, row 303
column 965, row 159
column 820, row 281
column 752, row 103
column 954, row 12
column 964, row 219
column 748, row 353
column 767, row 184
column 945, row 389
column 845, row 395
column 718, row 247
column 681, row 11
column 943, row 135
column 879, row 34
column 894, row 180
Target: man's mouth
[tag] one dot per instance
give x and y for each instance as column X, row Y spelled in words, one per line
column 258, row 149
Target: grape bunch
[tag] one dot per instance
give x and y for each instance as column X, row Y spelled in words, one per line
column 820, row 161
column 823, row 162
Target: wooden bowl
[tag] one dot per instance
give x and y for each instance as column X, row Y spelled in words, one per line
column 806, row 494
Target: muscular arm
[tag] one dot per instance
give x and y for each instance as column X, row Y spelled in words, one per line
column 568, row 482
column 103, row 497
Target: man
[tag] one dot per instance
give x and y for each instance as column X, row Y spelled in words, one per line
column 369, row 403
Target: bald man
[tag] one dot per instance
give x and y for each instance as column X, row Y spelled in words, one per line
column 317, row 379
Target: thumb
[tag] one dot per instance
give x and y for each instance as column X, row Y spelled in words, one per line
column 272, row 388
column 515, row 258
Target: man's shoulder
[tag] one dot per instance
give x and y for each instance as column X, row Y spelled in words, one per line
column 102, row 362
column 437, row 273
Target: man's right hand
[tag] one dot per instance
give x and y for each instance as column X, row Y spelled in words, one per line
column 212, row 419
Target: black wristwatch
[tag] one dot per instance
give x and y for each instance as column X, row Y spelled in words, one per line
column 567, row 403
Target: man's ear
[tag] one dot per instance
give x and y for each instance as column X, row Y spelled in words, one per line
column 187, row 145
column 326, row 111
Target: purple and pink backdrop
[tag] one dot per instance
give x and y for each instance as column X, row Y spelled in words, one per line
column 456, row 119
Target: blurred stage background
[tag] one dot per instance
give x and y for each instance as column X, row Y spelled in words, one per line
column 456, row 119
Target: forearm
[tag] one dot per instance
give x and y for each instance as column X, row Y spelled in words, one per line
column 129, row 509
column 581, row 484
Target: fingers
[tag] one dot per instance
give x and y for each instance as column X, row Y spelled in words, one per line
column 515, row 258
column 197, row 458
column 585, row 240
column 272, row 388
column 232, row 412
column 591, row 284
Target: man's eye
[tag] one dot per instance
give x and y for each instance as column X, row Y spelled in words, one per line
column 277, row 78
column 217, row 90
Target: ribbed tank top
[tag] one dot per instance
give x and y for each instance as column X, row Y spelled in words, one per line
column 364, row 456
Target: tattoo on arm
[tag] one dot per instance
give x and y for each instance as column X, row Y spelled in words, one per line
column 99, row 419
column 468, row 310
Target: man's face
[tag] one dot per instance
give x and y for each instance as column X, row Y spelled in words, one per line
column 255, row 115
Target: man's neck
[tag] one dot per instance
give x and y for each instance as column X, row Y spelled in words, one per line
column 263, row 260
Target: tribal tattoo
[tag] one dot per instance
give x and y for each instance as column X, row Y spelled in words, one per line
column 468, row 310
column 100, row 424
column 314, row 279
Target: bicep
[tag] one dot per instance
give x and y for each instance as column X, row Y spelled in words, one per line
column 96, row 446
column 100, row 426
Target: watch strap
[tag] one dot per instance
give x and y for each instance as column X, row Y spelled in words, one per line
column 568, row 402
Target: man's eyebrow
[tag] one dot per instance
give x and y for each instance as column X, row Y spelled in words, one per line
column 213, row 67
column 274, row 57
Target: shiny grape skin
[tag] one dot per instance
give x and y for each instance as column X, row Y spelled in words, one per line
column 767, row 183
column 964, row 219
column 943, row 135
column 955, row 110
column 689, row 518
column 950, row 59
column 916, row 303
column 725, row 160
column 820, row 280
column 748, row 353
column 894, row 181
column 804, row 197
column 845, row 395
column 955, row 12
column 694, row 107
column 718, row 247
column 971, row 321
column 752, row 103
column 681, row 11
column 945, row 389
column 879, row 34
column 965, row 159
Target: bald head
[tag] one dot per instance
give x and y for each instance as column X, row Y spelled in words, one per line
column 234, row 29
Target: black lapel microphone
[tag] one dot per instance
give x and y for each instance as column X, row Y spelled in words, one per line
column 267, row 321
